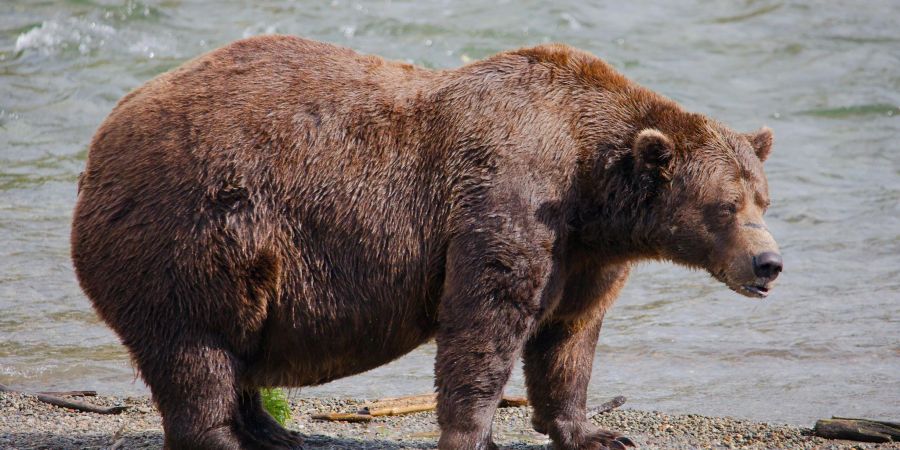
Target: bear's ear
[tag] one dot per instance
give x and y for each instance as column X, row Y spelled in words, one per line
column 761, row 140
column 652, row 151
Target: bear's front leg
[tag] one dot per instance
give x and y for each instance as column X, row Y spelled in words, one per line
column 559, row 358
column 489, row 306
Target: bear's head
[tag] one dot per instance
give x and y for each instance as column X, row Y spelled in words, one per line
column 710, row 198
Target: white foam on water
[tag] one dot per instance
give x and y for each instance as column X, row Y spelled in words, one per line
column 149, row 46
column 54, row 35
column 24, row 372
column 87, row 35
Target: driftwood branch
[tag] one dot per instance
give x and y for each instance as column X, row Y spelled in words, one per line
column 80, row 406
column 418, row 403
column 882, row 422
column 400, row 405
column 343, row 417
column 512, row 402
column 862, row 430
column 606, row 407
column 56, row 400
column 70, row 393
column 403, row 405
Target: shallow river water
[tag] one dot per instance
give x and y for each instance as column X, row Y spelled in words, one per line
column 824, row 75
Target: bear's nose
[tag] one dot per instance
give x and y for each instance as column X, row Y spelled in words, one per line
column 767, row 265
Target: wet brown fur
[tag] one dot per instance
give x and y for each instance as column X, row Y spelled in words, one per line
column 286, row 212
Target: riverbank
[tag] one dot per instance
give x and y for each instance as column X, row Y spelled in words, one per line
column 27, row 423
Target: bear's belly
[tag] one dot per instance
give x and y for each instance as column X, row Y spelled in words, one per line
column 319, row 344
column 353, row 297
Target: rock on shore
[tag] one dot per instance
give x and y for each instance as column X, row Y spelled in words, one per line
column 26, row 423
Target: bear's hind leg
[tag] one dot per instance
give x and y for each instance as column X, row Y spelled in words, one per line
column 194, row 385
column 260, row 428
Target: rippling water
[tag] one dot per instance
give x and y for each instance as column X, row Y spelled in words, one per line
column 824, row 75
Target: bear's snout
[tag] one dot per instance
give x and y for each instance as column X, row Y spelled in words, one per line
column 767, row 265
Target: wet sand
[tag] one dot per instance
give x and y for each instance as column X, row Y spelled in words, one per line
column 26, row 423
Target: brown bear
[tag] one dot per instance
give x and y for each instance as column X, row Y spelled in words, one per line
column 284, row 212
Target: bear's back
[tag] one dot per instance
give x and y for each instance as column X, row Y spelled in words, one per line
column 277, row 111
column 270, row 149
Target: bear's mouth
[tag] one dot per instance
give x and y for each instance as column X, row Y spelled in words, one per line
column 754, row 290
column 758, row 289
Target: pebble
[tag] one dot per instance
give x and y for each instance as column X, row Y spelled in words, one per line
column 26, row 423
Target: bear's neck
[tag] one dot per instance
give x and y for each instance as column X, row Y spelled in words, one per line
column 615, row 221
column 615, row 218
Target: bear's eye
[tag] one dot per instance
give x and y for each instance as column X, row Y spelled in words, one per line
column 727, row 209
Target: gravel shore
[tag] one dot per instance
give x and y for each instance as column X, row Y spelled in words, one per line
column 27, row 423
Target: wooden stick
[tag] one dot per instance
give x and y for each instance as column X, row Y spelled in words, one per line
column 606, row 407
column 418, row 403
column 400, row 410
column 405, row 399
column 80, row 406
column 70, row 393
column 885, row 423
column 862, row 430
column 398, row 402
column 343, row 417
column 512, row 402
column 396, row 406
column 71, row 404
